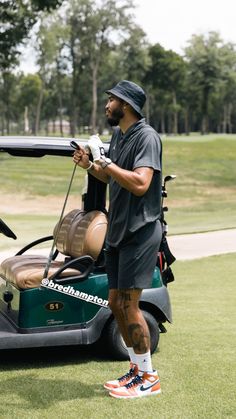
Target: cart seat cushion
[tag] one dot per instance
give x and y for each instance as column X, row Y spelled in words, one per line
column 26, row 271
column 81, row 233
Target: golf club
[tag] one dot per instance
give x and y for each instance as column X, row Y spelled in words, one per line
column 60, row 220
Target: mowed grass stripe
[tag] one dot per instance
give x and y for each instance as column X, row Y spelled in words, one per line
column 196, row 361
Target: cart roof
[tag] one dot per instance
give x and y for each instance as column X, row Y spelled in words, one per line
column 39, row 146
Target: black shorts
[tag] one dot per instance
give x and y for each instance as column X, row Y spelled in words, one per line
column 132, row 263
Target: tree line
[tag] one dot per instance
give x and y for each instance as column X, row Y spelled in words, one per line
column 84, row 47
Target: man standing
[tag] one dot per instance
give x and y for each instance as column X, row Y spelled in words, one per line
column 133, row 172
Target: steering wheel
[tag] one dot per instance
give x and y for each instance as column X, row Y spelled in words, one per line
column 6, row 230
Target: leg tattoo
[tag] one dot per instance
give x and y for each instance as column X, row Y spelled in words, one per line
column 125, row 299
column 140, row 340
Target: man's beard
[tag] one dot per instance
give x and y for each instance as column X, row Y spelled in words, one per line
column 115, row 117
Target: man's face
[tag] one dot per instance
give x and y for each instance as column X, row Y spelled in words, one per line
column 114, row 111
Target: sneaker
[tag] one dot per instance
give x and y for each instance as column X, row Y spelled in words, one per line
column 147, row 385
column 125, row 379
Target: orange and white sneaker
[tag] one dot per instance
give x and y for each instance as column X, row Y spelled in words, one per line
column 140, row 386
column 125, row 379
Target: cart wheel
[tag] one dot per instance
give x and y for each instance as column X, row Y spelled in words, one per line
column 116, row 344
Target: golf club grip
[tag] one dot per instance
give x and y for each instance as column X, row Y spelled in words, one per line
column 76, row 146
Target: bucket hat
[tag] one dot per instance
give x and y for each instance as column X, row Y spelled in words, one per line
column 131, row 93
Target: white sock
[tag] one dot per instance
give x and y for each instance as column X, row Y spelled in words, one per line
column 144, row 362
column 132, row 355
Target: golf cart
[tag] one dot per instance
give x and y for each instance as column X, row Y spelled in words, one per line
column 62, row 299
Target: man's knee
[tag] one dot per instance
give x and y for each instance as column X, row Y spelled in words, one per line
column 120, row 302
column 124, row 302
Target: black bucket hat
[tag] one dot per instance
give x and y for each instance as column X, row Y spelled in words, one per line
column 130, row 93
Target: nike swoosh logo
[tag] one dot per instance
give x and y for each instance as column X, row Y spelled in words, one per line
column 147, row 388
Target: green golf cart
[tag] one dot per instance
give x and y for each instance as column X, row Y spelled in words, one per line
column 69, row 304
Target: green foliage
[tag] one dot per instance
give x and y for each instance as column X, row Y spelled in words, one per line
column 206, row 58
column 9, row 107
column 92, row 28
column 83, row 47
column 165, row 79
column 48, row 5
column 29, row 88
column 133, row 61
column 17, row 18
column 167, row 69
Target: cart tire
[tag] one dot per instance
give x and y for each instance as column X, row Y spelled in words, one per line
column 116, row 345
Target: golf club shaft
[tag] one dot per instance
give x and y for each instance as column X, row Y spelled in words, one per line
column 59, row 225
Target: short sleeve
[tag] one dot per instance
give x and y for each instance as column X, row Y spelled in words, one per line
column 148, row 153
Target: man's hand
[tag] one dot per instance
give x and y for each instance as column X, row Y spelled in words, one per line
column 97, row 148
column 81, row 157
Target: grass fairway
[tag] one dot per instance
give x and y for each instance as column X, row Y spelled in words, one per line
column 196, row 358
column 196, row 361
column 202, row 198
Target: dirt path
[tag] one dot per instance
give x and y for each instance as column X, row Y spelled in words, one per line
column 26, row 204
column 194, row 246
column 184, row 247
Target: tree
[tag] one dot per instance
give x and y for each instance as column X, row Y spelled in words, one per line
column 204, row 70
column 51, row 39
column 165, row 78
column 17, row 17
column 29, row 91
column 133, row 54
column 132, row 57
column 93, row 28
column 8, row 87
column 227, row 86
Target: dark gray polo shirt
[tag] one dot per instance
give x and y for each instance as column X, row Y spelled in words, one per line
column 140, row 146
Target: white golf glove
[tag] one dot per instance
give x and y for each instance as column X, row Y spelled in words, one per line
column 97, row 148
